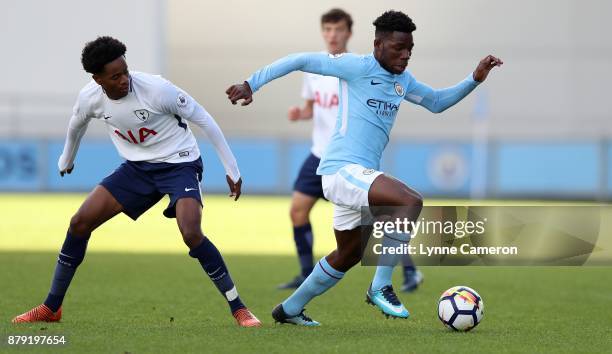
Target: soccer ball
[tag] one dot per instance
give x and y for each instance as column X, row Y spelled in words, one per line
column 460, row 308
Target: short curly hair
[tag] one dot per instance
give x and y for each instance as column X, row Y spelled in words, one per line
column 393, row 21
column 100, row 52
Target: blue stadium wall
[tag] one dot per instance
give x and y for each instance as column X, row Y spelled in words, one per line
column 576, row 170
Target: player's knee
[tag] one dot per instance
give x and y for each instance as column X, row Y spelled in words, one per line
column 413, row 203
column 299, row 215
column 192, row 237
column 417, row 203
column 80, row 226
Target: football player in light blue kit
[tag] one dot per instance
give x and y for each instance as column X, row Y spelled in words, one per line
column 372, row 88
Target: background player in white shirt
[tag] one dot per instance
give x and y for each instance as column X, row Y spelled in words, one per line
column 146, row 117
column 321, row 105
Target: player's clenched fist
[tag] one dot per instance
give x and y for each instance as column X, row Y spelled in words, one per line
column 240, row 92
column 485, row 65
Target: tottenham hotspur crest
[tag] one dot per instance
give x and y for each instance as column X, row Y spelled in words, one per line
column 142, row 114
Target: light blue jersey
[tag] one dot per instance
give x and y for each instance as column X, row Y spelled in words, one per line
column 370, row 97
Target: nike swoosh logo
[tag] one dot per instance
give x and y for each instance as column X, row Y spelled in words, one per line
column 211, row 273
column 396, row 309
column 375, row 83
column 190, row 189
column 65, row 255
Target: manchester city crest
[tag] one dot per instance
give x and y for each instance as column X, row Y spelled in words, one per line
column 399, row 89
column 368, row 171
column 142, row 114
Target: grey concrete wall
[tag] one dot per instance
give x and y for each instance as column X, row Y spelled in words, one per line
column 554, row 85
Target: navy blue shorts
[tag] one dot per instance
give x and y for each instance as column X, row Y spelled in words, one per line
column 308, row 181
column 139, row 185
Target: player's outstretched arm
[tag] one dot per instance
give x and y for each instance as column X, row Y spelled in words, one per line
column 438, row 101
column 171, row 99
column 346, row 66
column 76, row 129
column 210, row 127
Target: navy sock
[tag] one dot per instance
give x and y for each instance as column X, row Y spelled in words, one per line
column 408, row 264
column 71, row 255
column 302, row 235
column 209, row 257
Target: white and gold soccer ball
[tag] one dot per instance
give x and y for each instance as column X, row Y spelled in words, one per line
column 460, row 308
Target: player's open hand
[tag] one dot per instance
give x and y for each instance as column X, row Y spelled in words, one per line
column 240, row 92
column 234, row 187
column 68, row 171
column 485, row 66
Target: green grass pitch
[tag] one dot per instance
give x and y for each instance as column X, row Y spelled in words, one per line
column 138, row 291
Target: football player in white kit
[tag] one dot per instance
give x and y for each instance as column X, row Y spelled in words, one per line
column 147, row 118
column 321, row 105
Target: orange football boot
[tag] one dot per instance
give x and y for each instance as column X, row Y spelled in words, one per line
column 245, row 318
column 40, row 313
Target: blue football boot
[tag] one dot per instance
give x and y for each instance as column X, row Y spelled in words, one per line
column 279, row 315
column 386, row 300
